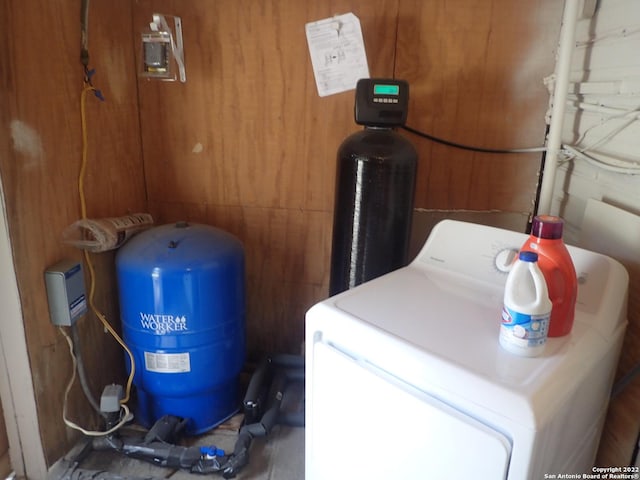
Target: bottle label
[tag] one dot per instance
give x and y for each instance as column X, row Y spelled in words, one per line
column 524, row 330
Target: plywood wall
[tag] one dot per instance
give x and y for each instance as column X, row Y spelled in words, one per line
column 247, row 144
column 476, row 72
column 40, row 151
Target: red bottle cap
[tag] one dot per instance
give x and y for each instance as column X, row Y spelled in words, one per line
column 547, row 226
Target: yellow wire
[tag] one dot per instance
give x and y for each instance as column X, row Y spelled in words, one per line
column 87, row 257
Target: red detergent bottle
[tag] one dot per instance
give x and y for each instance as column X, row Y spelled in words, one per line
column 558, row 270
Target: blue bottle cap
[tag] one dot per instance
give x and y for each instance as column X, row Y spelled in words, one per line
column 212, row 451
column 528, row 256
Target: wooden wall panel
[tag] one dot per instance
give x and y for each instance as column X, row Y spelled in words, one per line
column 247, row 145
column 249, row 134
column 286, row 252
column 41, row 79
column 248, row 128
column 476, row 71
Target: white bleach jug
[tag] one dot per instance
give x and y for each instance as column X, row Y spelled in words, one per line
column 527, row 308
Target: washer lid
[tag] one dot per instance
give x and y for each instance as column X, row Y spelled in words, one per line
column 447, row 317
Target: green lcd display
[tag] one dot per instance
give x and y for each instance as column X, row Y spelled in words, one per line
column 381, row 89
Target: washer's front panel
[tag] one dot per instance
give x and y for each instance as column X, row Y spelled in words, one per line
column 364, row 423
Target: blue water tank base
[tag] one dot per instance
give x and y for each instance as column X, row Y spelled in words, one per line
column 182, row 305
column 204, row 412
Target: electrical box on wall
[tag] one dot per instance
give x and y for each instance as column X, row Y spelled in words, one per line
column 156, row 55
column 161, row 48
column 65, row 292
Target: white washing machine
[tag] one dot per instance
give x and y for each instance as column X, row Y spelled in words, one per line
column 405, row 377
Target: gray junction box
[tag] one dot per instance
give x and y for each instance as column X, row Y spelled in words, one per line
column 65, row 292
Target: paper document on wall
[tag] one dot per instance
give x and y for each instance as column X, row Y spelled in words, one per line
column 337, row 53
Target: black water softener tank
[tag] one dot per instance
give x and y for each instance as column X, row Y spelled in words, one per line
column 375, row 186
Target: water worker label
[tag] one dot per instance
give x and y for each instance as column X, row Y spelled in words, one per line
column 163, row 324
column 167, row 362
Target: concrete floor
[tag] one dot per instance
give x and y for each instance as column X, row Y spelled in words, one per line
column 279, row 456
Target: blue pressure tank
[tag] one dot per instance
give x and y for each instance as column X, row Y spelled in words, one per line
column 182, row 305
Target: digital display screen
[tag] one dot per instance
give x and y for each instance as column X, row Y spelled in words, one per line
column 382, row 89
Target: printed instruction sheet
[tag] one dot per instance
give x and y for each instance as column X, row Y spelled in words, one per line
column 337, row 53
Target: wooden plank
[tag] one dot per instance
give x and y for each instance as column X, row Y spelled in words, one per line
column 5, row 465
column 44, row 78
column 620, row 433
column 21, row 421
column 476, row 71
column 246, row 144
column 245, row 129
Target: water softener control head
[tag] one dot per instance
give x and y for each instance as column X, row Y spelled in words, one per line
column 381, row 102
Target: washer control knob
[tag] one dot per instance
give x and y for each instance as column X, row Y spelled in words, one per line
column 505, row 258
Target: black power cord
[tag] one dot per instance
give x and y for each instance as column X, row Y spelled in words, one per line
column 472, row 148
column 542, row 150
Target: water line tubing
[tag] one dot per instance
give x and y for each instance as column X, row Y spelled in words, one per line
column 560, row 92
